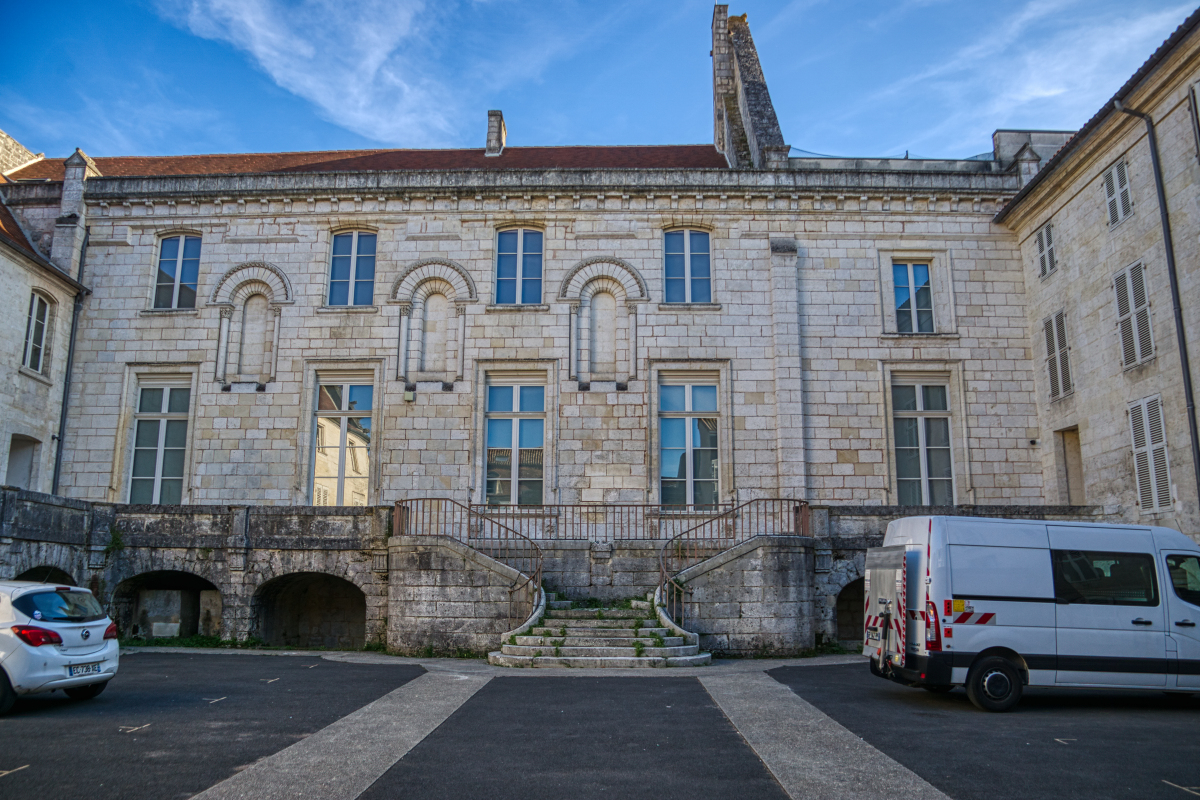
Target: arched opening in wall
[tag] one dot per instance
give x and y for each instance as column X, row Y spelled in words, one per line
column 252, row 356
column 166, row 604
column 47, row 574
column 311, row 609
column 603, row 336
column 850, row 614
column 435, row 338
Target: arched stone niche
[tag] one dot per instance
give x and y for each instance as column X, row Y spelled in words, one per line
column 250, row 297
column 603, row 294
column 433, row 294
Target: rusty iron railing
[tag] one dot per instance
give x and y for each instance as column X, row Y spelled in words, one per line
column 600, row 522
column 766, row 517
column 438, row 517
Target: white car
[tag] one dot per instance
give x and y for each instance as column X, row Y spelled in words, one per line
column 53, row 637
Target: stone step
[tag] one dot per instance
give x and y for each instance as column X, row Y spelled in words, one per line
column 596, row 641
column 598, row 652
column 550, row 596
column 554, row 623
column 558, row 604
column 597, row 633
column 500, row 659
column 642, row 604
column 590, row 613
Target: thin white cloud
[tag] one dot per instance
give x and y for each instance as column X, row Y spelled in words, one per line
column 358, row 63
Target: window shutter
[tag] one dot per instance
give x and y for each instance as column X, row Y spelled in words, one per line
column 1123, row 189
column 1052, row 360
column 1110, row 192
column 1125, row 320
column 1141, row 456
column 1051, row 263
column 1157, row 442
column 1041, row 243
column 1064, row 361
column 1141, row 305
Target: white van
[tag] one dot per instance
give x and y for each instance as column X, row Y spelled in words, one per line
column 996, row 605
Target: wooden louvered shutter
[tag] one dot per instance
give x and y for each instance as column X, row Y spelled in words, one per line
column 1141, row 456
column 1110, row 193
column 1156, row 440
column 1052, row 360
column 1051, row 263
column 1125, row 320
column 1041, row 243
column 1123, row 194
column 1064, row 359
column 1141, row 311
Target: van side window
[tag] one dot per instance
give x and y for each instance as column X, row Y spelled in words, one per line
column 1185, row 577
column 1104, row 579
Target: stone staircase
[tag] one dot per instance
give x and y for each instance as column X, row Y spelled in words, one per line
column 572, row 636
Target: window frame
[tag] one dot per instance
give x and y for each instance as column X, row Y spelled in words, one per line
column 690, row 415
column 1118, row 192
column 343, row 416
column 688, row 267
column 520, row 279
column 183, row 238
column 516, row 416
column 43, row 351
column 162, row 416
column 352, row 281
column 922, row 414
column 1058, row 355
column 1135, row 327
column 1047, row 256
column 910, row 287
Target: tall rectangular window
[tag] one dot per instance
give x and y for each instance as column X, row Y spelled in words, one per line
column 1133, row 315
column 516, row 422
column 1047, row 262
column 519, row 267
column 914, row 298
column 1151, row 466
column 352, row 272
column 35, row 333
column 924, row 472
column 342, row 444
column 688, row 268
column 688, row 451
column 1116, row 193
column 159, row 445
column 178, row 271
column 1058, row 359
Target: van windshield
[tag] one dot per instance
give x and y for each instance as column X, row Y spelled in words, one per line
column 60, row 606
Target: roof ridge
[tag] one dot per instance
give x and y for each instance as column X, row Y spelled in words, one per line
column 405, row 150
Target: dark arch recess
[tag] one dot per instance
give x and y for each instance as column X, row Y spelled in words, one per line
column 47, row 574
column 311, row 610
column 152, row 604
column 850, row 612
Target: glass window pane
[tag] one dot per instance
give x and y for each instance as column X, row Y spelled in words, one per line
column 533, row 242
column 533, row 398
column 530, row 464
column 904, row 398
column 364, row 292
column 908, row 463
column 330, row 397
column 704, row 398
column 358, row 431
column 506, row 266
column 900, row 276
column 938, row 461
column 187, row 296
column 675, row 266
column 672, row 463
column 178, row 402
column 163, row 294
column 903, row 311
column 339, row 293
column 941, row 493
column 701, row 291
column 141, row 492
column 172, row 463
column 147, row 433
column 1101, row 578
column 700, row 265
column 506, row 292
column 151, row 401
column 676, row 290
column 507, row 242
column 364, row 268
column 500, row 398
column 324, row 491
column 673, row 242
column 188, row 271
column 924, row 322
column 529, row 493
column 531, row 291
column 499, row 492
column 170, row 492
column 935, row 398
column 699, row 243
column 671, row 398
column 531, row 266
column 360, row 397
column 906, row 432
column 673, row 431
column 704, row 433
column 354, row 492
column 1185, row 577
column 937, row 432
column 144, row 462
column 191, row 247
column 343, row 243
column 339, row 270
column 358, row 460
column 908, row 493
column 674, row 493
column 170, row 250
column 499, row 432
column 366, row 244
column 530, row 433
column 704, row 464
column 176, row 433
column 705, row 493
column 920, row 276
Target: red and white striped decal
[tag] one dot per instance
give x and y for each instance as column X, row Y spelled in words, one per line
column 975, row 619
column 872, row 622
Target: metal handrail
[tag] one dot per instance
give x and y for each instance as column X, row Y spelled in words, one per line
column 763, row 517
column 443, row 517
column 600, row 522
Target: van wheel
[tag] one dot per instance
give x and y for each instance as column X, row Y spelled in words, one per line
column 7, row 695
column 876, row 671
column 86, row 692
column 994, row 684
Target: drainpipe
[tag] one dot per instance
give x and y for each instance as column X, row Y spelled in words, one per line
column 62, row 417
column 1184, row 362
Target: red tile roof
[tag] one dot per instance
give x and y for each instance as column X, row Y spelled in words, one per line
column 686, row 156
column 12, row 234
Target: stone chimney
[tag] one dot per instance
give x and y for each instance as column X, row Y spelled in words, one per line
column 745, row 127
column 497, row 133
column 69, row 226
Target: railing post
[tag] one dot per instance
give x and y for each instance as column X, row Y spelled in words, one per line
column 396, row 524
column 805, row 520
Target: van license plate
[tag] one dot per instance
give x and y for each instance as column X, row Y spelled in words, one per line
column 84, row 669
column 873, row 634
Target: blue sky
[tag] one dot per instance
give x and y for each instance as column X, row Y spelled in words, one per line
column 848, row 77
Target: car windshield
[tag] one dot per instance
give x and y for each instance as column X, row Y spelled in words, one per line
column 59, row 606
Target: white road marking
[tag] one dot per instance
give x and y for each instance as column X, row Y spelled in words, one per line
column 4, row 772
column 1188, row 789
column 127, row 729
column 219, row 699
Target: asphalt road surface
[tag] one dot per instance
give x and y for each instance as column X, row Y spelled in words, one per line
column 1056, row 744
column 171, row 725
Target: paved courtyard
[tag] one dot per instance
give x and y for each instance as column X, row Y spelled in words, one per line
column 349, row 725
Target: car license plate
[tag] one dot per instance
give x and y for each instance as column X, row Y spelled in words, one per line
column 873, row 633
column 84, row 669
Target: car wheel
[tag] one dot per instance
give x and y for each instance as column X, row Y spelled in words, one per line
column 994, row 684
column 876, row 671
column 938, row 688
column 86, row 692
column 7, row 695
